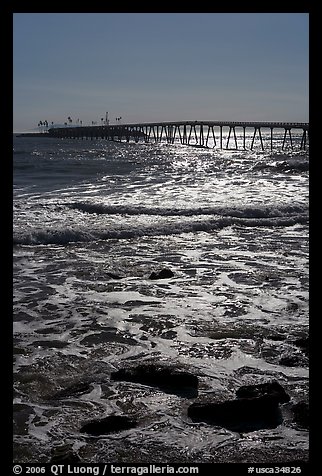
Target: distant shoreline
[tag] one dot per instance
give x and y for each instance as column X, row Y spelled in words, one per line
column 31, row 134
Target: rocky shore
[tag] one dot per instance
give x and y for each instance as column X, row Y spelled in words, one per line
column 254, row 407
column 251, row 414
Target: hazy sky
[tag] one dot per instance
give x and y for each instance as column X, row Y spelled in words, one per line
column 160, row 67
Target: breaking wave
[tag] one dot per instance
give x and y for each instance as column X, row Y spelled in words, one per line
column 247, row 217
column 238, row 212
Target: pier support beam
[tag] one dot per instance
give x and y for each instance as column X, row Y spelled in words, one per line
column 201, row 136
column 232, row 128
column 156, row 132
column 303, row 140
column 284, row 139
column 196, row 137
column 213, row 135
column 260, row 136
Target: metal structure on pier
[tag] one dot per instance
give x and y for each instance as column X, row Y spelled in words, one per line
column 191, row 133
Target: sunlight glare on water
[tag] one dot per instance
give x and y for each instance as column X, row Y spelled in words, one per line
column 92, row 221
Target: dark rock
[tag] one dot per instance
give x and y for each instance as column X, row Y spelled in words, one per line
column 113, row 275
column 21, row 418
column 290, row 361
column 56, row 344
column 64, row 454
column 77, row 388
column 168, row 379
column 276, row 337
column 241, row 415
column 163, row 274
column 168, row 335
column 110, row 424
column 270, row 389
column 303, row 343
column 107, row 336
column 301, row 414
column 292, row 306
column 256, row 407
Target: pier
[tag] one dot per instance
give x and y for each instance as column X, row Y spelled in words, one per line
column 195, row 133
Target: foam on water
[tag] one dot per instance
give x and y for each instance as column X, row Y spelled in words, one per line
column 91, row 222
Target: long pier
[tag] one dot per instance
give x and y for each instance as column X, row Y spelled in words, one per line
column 192, row 133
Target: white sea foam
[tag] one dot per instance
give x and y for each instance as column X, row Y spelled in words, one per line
column 92, row 221
column 56, row 235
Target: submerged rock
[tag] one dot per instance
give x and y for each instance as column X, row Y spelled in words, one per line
column 21, row 417
column 242, row 414
column 55, row 344
column 107, row 336
column 303, row 343
column 75, row 389
column 290, row 360
column 168, row 335
column 64, row 454
column 113, row 275
column 168, row 379
column 165, row 273
column 110, row 424
column 270, row 389
column 301, row 414
column 256, row 407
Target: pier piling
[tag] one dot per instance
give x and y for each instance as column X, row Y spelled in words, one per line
column 193, row 133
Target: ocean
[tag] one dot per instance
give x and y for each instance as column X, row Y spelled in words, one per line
column 92, row 220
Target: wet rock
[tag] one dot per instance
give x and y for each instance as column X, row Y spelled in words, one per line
column 242, row 415
column 110, row 424
column 64, row 454
column 292, row 306
column 165, row 273
column 269, row 389
column 113, row 275
column 301, row 414
column 256, row 407
column 290, row 360
column 107, row 336
column 56, row 344
column 75, row 389
column 276, row 337
column 303, row 343
column 19, row 351
column 21, row 417
column 168, row 335
column 168, row 379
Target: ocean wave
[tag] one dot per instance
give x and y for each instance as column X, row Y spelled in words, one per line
column 78, row 234
column 237, row 211
column 283, row 166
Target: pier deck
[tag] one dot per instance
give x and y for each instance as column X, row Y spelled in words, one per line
column 191, row 133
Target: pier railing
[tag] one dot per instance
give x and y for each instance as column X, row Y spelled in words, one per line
column 192, row 133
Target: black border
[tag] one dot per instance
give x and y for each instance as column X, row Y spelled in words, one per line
column 7, row 12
